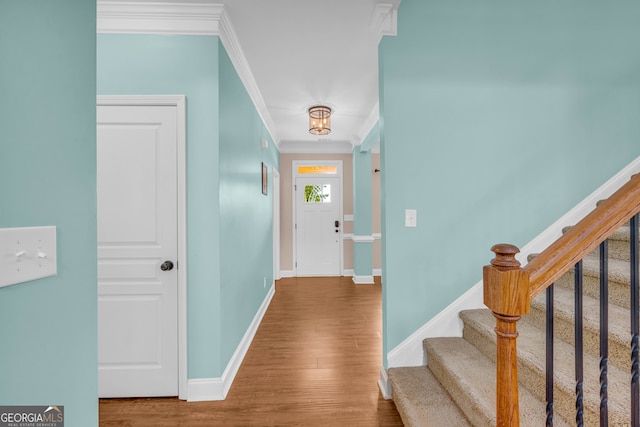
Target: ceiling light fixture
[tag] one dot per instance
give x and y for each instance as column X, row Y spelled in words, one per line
column 320, row 120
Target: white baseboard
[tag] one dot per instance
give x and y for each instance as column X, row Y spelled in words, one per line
column 384, row 385
column 447, row 323
column 286, row 273
column 377, row 272
column 363, row 280
column 347, row 272
column 201, row 389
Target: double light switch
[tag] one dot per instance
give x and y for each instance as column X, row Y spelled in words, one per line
column 27, row 253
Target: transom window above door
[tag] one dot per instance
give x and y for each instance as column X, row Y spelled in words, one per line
column 317, row 170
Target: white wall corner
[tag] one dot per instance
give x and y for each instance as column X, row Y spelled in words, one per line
column 384, row 385
column 384, row 21
column 203, row 389
column 447, row 323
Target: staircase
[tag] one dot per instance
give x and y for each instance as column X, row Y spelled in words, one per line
column 457, row 388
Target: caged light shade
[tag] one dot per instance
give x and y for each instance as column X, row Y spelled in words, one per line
column 320, row 120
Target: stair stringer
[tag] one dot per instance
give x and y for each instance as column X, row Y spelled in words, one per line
column 448, row 324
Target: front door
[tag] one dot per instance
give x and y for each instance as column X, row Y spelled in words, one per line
column 137, row 251
column 318, row 226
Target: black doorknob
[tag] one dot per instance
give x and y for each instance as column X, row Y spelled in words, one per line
column 166, row 266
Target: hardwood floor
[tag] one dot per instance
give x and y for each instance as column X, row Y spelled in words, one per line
column 314, row 361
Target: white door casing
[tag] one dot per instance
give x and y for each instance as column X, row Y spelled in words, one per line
column 276, row 223
column 140, row 168
column 318, row 241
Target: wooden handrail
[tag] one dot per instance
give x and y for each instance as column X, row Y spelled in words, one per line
column 580, row 240
column 509, row 288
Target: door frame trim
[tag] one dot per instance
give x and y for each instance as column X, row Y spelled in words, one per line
column 276, row 222
column 178, row 101
column 294, row 175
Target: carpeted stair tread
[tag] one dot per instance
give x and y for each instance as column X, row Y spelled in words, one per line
column 421, row 400
column 469, row 377
column 619, row 324
column 479, row 330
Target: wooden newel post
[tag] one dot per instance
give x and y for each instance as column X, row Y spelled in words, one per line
column 506, row 293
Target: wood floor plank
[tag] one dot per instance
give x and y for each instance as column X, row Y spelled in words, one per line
column 314, row 361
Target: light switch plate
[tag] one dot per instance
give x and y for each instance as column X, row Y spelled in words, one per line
column 27, row 253
column 410, row 218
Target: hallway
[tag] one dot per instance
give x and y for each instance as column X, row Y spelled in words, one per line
column 314, row 361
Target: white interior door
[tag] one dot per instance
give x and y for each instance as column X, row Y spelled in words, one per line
column 137, row 236
column 318, row 226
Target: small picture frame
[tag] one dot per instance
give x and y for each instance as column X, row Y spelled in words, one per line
column 265, row 175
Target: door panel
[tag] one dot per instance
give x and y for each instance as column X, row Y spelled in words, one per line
column 137, row 232
column 318, row 240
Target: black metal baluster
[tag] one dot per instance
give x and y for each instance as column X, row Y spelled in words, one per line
column 604, row 332
column 635, row 398
column 578, row 344
column 549, row 356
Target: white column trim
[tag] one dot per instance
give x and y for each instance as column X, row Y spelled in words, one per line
column 362, row 239
column 363, row 280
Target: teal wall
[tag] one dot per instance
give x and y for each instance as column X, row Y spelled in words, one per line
column 183, row 65
column 497, row 118
column 246, row 215
column 229, row 221
column 362, row 203
column 48, row 327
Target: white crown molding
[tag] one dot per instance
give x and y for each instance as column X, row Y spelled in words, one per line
column 320, row 147
column 238, row 59
column 145, row 17
column 384, row 21
column 196, row 17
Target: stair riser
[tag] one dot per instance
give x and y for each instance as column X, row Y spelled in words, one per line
column 458, row 393
column 619, row 350
column 532, row 376
column 618, row 290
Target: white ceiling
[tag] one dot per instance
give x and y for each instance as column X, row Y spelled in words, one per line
column 303, row 53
